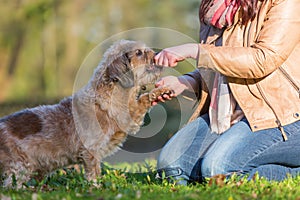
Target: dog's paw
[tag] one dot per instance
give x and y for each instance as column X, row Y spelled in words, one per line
column 160, row 91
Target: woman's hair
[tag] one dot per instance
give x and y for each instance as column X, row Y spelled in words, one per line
column 249, row 9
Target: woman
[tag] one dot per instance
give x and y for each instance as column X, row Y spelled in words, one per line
column 249, row 59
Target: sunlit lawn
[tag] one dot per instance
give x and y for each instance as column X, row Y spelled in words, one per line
column 137, row 181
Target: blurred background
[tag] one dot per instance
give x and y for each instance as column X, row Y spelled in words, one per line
column 43, row 43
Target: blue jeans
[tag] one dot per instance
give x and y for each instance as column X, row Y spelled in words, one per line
column 195, row 152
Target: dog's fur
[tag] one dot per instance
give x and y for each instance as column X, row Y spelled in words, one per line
column 85, row 127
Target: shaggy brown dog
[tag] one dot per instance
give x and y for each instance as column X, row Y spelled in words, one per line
column 85, row 127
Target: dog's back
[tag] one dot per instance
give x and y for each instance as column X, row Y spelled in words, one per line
column 37, row 138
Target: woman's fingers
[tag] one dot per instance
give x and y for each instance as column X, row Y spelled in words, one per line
column 162, row 98
column 166, row 58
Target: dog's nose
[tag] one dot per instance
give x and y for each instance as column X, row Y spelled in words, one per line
column 149, row 55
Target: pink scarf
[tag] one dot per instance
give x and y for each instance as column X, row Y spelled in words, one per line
column 223, row 109
column 221, row 13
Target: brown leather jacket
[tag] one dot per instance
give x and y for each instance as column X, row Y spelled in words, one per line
column 261, row 61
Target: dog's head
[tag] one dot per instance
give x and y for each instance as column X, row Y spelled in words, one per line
column 130, row 63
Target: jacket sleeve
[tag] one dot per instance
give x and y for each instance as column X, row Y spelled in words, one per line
column 279, row 35
column 202, row 95
column 198, row 80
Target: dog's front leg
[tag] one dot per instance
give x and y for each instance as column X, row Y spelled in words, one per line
column 138, row 108
column 91, row 167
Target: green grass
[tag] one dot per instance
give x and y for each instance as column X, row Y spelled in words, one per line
column 142, row 184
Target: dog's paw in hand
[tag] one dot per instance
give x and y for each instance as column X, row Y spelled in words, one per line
column 160, row 94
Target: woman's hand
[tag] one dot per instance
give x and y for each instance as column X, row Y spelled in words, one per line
column 177, row 84
column 171, row 56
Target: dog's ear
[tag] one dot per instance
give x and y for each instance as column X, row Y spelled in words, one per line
column 119, row 71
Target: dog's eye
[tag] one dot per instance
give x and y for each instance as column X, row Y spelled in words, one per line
column 143, row 87
column 138, row 52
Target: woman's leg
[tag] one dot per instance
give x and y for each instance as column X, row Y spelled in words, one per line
column 242, row 151
column 181, row 156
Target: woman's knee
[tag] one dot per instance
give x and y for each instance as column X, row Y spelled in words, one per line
column 179, row 157
column 184, row 145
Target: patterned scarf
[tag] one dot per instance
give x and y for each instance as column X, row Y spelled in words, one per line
column 223, row 109
column 221, row 13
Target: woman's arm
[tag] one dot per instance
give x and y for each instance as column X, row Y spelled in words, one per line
column 171, row 56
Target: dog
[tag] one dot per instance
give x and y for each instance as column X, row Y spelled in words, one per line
column 87, row 126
